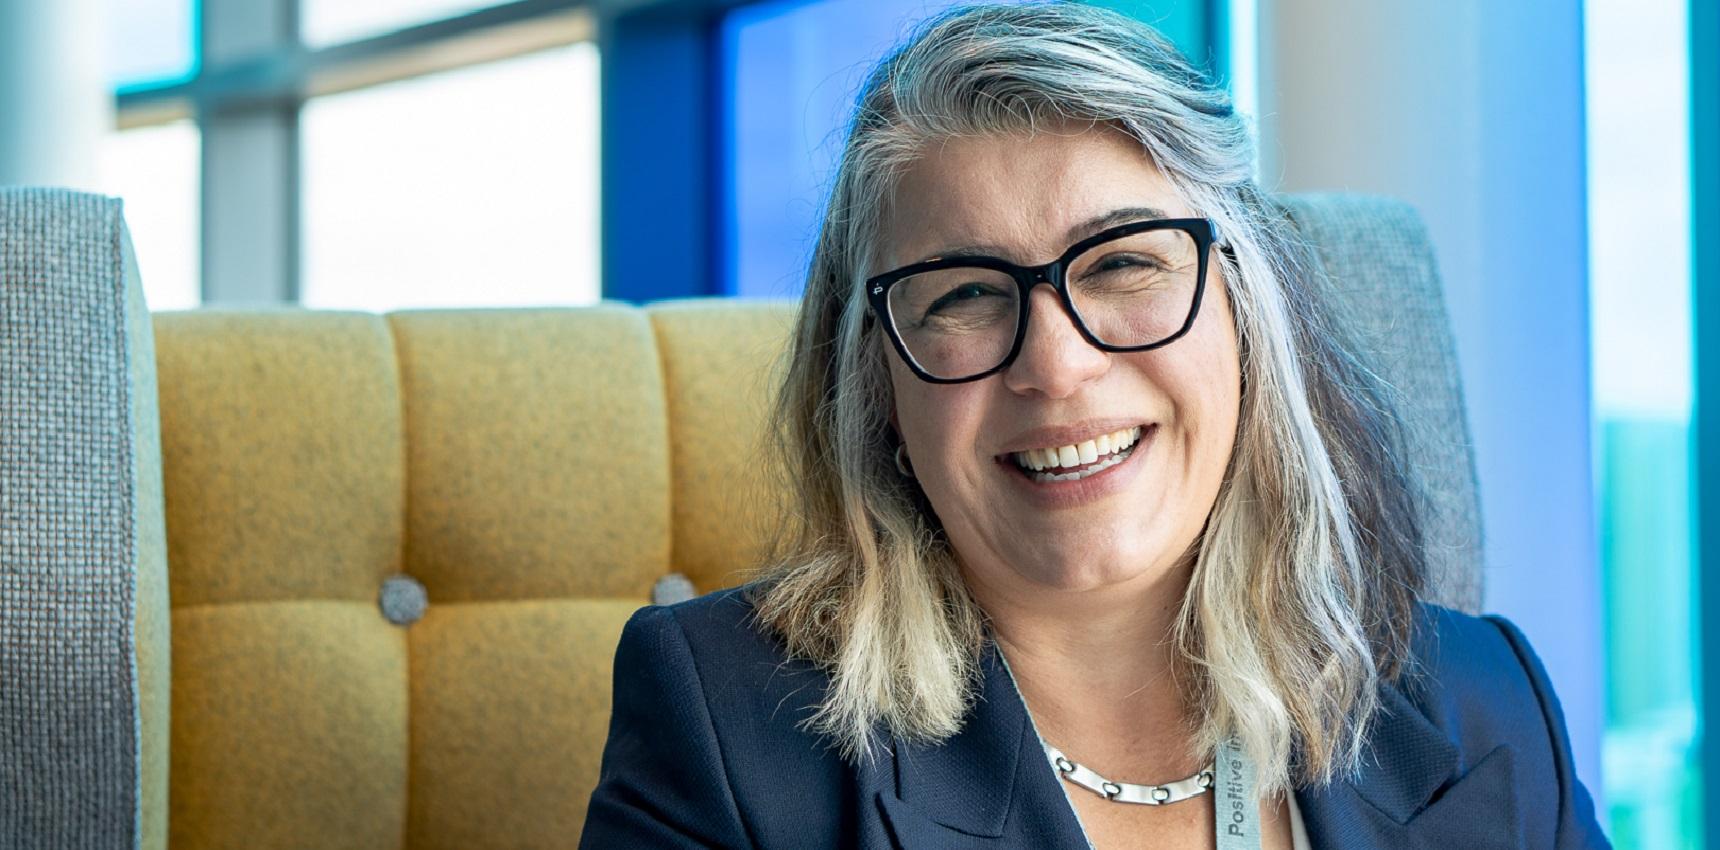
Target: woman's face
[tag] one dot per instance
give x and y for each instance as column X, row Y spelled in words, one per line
column 1026, row 199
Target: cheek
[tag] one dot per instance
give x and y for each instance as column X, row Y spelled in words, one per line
column 1225, row 388
column 916, row 416
column 1211, row 381
column 938, row 423
column 906, row 401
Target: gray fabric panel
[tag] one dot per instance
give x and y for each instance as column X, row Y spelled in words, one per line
column 1380, row 265
column 68, row 689
column 150, row 629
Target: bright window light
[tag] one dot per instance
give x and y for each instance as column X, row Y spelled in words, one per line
column 324, row 22
column 154, row 170
column 475, row 187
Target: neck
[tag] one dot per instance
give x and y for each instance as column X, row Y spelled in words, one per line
column 1096, row 668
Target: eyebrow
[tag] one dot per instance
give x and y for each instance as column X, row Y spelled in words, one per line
column 1121, row 215
column 1113, row 218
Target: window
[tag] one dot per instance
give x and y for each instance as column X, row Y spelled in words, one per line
column 1639, row 261
column 793, row 70
column 152, row 163
column 451, row 162
column 150, row 42
column 326, row 22
column 469, row 187
column 154, row 170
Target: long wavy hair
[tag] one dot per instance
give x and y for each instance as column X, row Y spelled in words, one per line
column 1308, row 571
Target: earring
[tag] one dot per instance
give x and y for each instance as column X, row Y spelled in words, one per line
column 902, row 461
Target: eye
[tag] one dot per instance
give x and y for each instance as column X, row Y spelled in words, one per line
column 963, row 293
column 1112, row 262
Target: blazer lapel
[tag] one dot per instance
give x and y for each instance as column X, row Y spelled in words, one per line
column 1409, row 793
column 989, row 786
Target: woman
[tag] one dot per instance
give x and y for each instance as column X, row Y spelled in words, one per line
column 1104, row 536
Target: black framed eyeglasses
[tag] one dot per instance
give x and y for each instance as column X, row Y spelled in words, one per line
column 1132, row 287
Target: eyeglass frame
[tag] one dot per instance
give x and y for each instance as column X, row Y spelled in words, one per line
column 1054, row 273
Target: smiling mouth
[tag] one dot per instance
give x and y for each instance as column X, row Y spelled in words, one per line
column 1078, row 461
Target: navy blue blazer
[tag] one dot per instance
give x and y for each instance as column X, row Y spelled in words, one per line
column 705, row 751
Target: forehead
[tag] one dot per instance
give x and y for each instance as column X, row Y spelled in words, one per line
column 1020, row 196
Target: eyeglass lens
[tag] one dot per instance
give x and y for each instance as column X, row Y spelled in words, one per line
column 1134, row 290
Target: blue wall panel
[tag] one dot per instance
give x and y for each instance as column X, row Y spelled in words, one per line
column 658, row 149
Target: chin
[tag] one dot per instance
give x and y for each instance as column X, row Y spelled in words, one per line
column 1079, row 574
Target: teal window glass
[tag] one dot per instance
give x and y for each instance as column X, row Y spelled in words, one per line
column 150, row 42
column 1639, row 261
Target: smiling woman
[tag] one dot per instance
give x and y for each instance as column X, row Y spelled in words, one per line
column 1104, row 532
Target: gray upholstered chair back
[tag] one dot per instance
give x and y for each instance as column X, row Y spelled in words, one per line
column 83, row 553
column 84, row 676
column 1381, row 270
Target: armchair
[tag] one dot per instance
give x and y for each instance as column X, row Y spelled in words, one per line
column 275, row 577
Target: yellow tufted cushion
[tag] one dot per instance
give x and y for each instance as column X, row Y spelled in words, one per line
column 537, row 453
column 284, row 474
column 721, row 361
column 526, row 466
column 282, row 453
column 289, row 726
column 510, row 707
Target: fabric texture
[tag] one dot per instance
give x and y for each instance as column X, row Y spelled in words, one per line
column 537, row 446
column 80, row 533
column 1380, row 271
column 705, row 750
column 721, row 363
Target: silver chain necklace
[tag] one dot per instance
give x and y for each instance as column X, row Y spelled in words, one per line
column 1125, row 792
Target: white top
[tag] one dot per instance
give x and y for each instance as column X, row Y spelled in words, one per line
column 1298, row 832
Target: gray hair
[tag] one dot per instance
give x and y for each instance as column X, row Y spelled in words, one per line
column 1307, row 574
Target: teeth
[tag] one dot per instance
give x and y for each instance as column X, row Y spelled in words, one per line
column 1095, row 469
column 1086, row 452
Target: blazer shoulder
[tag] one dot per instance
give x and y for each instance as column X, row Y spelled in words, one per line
column 758, row 699
column 1479, row 679
column 1451, row 641
column 727, row 640
column 1466, row 674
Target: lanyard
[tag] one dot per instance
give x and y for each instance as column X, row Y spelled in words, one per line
column 1236, row 813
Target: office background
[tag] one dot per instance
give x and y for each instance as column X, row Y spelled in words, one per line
column 428, row 153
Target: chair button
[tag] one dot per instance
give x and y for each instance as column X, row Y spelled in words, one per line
column 671, row 589
column 403, row 600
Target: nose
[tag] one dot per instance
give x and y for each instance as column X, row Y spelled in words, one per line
column 1055, row 359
